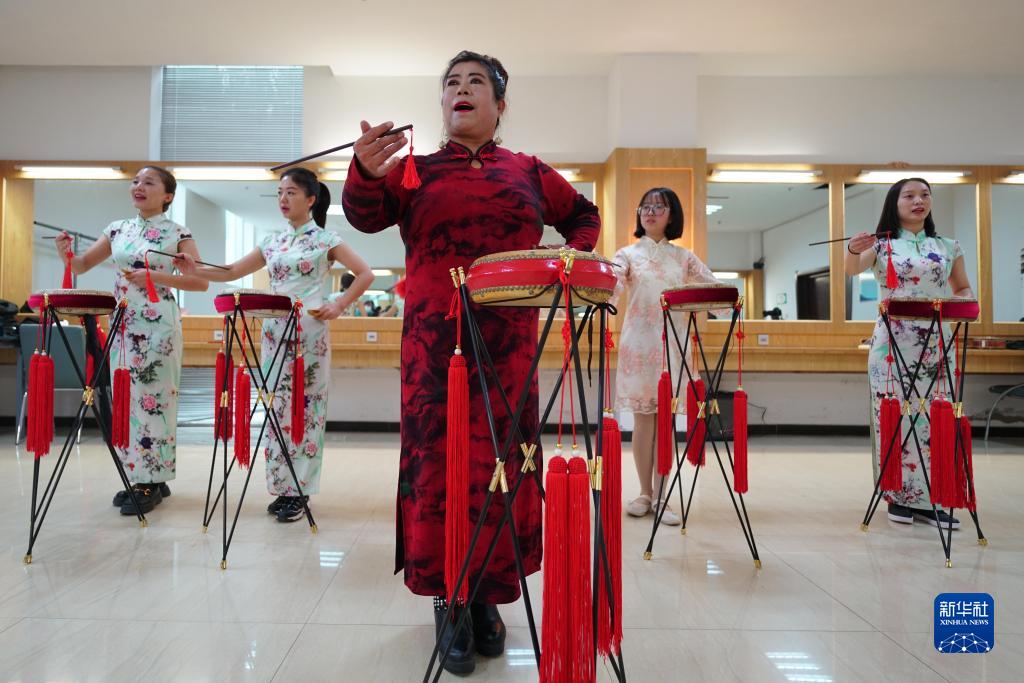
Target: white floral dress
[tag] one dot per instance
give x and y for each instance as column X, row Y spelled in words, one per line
column 153, row 346
column 648, row 268
column 923, row 265
column 298, row 266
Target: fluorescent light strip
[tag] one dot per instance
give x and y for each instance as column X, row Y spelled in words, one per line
column 1016, row 177
column 712, row 208
column 72, row 172
column 222, row 173
column 382, row 272
column 890, row 177
column 333, row 175
column 726, row 275
column 766, row 176
column 569, row 174
column 335, row 210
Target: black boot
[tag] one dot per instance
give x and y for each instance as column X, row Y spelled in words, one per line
column 121, row 496
column 488, row 629
column 460, row 657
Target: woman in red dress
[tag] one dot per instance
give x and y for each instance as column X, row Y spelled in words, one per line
column 476, row 198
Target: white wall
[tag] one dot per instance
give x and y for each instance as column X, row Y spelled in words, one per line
column 206, row 221
column 733, row 250
column 786, row 253
column 74, row 113
column 1008, row 258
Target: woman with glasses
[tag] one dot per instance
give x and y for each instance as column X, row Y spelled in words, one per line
column 648, row 267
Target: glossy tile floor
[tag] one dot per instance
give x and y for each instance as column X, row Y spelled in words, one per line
column 107, row 601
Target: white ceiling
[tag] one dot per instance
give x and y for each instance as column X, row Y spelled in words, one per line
column 536, row 37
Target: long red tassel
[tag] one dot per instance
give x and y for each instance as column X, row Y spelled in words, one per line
column 150, row 288
column 666, row 436
column 68, row 282
column 456, row 506
column 224, row 398
column 32, row 413
column 609, row 627
column 581, row 606
column 555, row 636
column 121, row 419
column 45, row 434
column 965, row 496
column 890, row 429
column 410, row 177
column 943, row 478
column 298, row 400
column 891, row 279
column 695, row 446
column 243, row 418
column 739, row 441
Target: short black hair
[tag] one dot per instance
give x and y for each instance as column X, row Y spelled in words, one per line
column 889, row 221
column 674, row 229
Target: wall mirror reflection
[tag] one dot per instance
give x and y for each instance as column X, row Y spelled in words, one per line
column 758, row 234
column 954, row 210
column 1008, row 251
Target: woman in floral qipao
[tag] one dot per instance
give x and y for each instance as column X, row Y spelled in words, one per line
column 298, row 258
column 153, row 342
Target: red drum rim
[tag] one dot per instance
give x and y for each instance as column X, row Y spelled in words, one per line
column 254, row 302
column 921, row 308
column 702, row 297
column 523, row 278
column 74, row 301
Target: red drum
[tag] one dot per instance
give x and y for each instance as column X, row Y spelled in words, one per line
column 526, row 278
column 254, row 302
column 921, row 308
column 74, row 301
column 700, row 297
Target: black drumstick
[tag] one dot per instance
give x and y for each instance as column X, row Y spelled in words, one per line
column 174, row 256
column 393, row 131
column 838, row 239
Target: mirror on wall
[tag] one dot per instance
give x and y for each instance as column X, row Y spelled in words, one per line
column 954, row 210
column 760, row 232
column 1008, row 254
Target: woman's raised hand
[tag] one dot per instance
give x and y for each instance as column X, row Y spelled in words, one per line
column 63, row 244
column 185, row 264
column 861, row 242
column 375, row 149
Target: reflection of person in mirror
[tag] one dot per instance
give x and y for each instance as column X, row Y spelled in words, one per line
column 398, row 306
column 648, row 267
column 476, row 198
column 926, row 266
column 298, row 258
column 153, row 340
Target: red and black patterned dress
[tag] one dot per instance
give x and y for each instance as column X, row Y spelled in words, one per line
column 459, row 214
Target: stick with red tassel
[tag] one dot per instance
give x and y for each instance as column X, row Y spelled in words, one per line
column 456, row 506
column 410, row 177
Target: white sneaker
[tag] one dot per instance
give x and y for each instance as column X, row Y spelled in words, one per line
column 668, row 517
column 639, row 506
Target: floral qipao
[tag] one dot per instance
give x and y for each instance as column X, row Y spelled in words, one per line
column 153, row 346
column 298, row 265
column 923, row 265
column 648, row 268
column 469, row 205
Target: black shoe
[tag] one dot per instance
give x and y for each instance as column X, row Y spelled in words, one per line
column 901, row 514
column 276, row 505
column 291, row 509
column 121, row 496
column 943, row 518
column 488, row 629
column 460, row 656
column 148, row 496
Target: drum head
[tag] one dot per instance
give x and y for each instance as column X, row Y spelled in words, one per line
column 74, row 301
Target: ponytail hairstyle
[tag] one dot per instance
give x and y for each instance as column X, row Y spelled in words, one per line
column 311, row 187
column 167, row 178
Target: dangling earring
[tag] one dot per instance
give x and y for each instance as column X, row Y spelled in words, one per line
column 497, row 139
column 444, row 140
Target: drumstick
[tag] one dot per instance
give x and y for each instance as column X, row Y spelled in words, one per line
column 174, row 256
column 838, row 239
column 393, row 131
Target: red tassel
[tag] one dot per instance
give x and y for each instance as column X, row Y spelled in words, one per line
column 965, row 497
column 410, row 177
column 891, row 280
column 150, row 288
column 739, row 441
column 609, row 628
column 890, row 430
column 68, row 282
column 224, row 399
column 555, row 635
column 298, row 400
column 43, row 405
column 243, row 418
column 121, row 420
column 456, row 505
column 32, row 413
column 581, row 606
column 943, row 478
column 695, row 446
column 666, row 433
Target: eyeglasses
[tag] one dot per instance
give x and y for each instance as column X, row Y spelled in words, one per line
column 653, row 209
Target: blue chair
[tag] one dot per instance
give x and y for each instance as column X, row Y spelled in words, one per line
column 64, row 376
